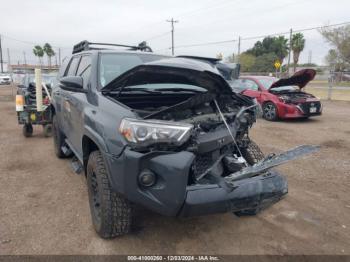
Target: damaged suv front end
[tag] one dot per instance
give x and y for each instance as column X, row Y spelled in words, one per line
column 187, row 150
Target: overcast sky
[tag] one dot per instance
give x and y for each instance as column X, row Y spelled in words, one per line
column 63, row 23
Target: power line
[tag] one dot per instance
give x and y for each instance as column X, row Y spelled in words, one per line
column 260, row 36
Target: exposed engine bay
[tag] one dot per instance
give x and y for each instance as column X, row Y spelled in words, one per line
column 293, row 97
column 209, row 140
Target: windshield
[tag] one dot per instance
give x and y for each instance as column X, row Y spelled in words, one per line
column 267, row 82
column 113, row 65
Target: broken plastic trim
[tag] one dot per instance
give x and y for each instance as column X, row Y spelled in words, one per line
column 270, row 162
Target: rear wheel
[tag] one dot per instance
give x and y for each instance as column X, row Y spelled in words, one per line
column 110, row 212
column 270, row 111
column 27, row 130
column 47, row 130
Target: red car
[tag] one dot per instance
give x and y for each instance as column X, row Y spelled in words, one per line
column 281, row 98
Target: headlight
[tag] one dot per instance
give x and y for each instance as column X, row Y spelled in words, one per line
column 147, row 132
column 284, row 99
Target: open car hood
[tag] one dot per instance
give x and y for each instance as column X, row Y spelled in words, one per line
column 300, row 78
column 173, row 70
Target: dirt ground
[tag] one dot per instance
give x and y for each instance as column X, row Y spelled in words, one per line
column 44, row 206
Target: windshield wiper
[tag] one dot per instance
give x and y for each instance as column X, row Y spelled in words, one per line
column 179, row 89
column 131, row 89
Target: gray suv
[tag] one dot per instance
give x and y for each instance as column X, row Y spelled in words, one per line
column 165, row 133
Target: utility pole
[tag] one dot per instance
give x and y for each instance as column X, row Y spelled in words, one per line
column 24, row 57
column 172, row 21
column 2, row 66
column 309, row 60
column 9, row 68
column 239, row 48
column 59, row 56
column 290, row 49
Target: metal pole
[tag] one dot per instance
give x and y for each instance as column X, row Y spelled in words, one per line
column 330, row 82
column 172, row 21
column 59, row 56
column 239, row 48
column 9, row 68
column 1, row 61
column 290, row 49
column 24, row 57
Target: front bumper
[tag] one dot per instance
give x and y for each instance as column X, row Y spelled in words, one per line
column 172, row 196
column 298, row 111
column 249, row 196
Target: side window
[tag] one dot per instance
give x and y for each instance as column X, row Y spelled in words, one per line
column 84, row 69
column 72, row 68
column 63, row 67
column 250, row 84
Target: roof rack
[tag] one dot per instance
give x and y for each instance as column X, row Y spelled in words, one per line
column 86, row 45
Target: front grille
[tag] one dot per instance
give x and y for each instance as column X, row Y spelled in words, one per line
column 306, row 107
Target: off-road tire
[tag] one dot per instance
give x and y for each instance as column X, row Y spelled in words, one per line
column 47, row 130
column 27, row 130
column 110, row 212
column 270, row 111
column 58, row 138
column 252, row 153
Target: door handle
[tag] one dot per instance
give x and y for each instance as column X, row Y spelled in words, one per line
column 57, row 93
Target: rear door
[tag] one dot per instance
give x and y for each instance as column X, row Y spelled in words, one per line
column 66, row 97
column 78, row 101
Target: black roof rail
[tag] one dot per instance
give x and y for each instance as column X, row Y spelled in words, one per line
column 86, row 45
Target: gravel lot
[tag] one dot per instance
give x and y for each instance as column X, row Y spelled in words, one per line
column 44, row 206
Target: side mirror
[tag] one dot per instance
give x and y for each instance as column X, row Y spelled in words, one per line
column 72, row 83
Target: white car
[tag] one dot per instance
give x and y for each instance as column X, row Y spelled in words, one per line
column 5, row 79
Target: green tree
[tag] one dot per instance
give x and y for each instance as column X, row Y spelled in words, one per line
column 297, row 45
column 339, row 38
column 264, row 63
column 49, row 52
column 277, row 45
column 247, row 61
column 39, row 52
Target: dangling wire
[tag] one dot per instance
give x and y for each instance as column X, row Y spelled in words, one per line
column 229, row 130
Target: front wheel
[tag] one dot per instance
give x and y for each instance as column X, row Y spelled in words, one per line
column 270, row 111
column 252, row 153
column 110, row 212
column 27, row 130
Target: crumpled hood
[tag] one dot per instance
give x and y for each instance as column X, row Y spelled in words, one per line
column 173, row 70
column 300, row 78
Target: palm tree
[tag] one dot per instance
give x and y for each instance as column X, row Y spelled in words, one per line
column 298, row 44
column 49, row 52
column 39, row 52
